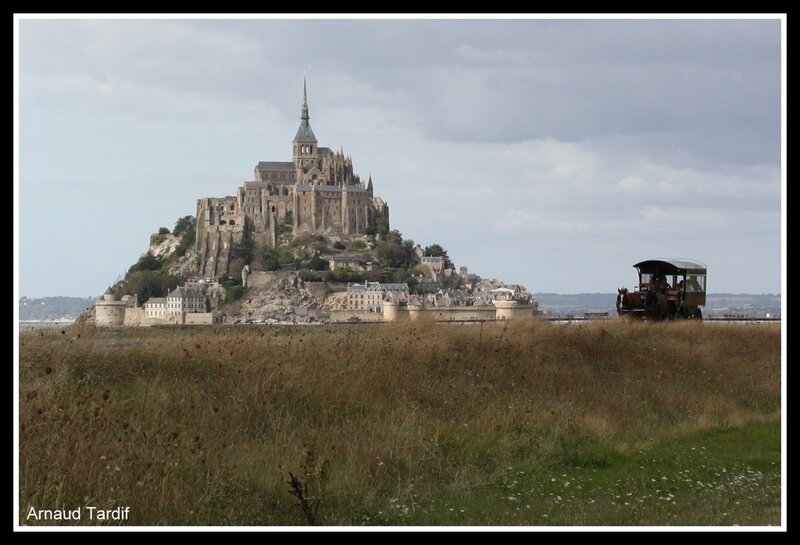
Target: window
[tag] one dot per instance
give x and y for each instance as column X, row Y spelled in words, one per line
column 696, row 283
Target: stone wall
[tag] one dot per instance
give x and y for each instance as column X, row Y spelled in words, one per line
column 202, row 318
column 339, row 316
column 512, row 310
column 505, row 310
column 451, row 314
column 134, row 317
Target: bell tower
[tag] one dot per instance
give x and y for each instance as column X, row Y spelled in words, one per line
column 304, row 145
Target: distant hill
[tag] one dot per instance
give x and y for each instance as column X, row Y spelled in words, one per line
column 718, row 305
column 53, row 308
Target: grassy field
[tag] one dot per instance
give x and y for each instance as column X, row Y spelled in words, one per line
column 539, row 424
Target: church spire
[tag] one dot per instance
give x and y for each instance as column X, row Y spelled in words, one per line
column 304, row 115
column 304, row 132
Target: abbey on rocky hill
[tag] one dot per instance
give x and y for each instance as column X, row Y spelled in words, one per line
column 316, row 192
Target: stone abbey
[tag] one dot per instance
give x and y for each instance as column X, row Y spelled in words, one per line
column 316, row 192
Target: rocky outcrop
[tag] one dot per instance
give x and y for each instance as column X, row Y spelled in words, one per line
column 163, row 245
column 281, row 295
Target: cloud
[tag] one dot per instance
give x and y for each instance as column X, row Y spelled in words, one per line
column 554, row 140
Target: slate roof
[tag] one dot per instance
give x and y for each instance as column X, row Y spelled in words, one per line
column 304, row 133
column 184, row 291
column 275, row 165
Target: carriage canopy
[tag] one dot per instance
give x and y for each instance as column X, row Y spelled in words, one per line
column 671, row 266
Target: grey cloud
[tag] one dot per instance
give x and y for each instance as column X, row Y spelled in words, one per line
column 537, row 134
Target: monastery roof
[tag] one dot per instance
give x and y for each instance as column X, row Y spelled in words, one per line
column 275, row 165
column 330, row 188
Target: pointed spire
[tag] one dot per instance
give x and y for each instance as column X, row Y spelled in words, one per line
column 304, row 114
column 304, row 132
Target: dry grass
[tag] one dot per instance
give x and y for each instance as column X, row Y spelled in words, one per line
column 203, row 426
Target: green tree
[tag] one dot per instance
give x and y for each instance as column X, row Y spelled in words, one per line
column 381, row 226
column 147, row 284
column 408, row 251
column 394, row 236
column 186, row 223
column 345, row 275
column 187, row 241
column 359, row 245
column 316, row 263
column 390, row 254
column 163, row 231
column 234, row 293
column 270, row 258
column 147, row 262
column 339, row 245
column 402, row 276
column 274, row 258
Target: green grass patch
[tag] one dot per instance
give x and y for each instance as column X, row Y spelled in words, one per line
column 720, row 478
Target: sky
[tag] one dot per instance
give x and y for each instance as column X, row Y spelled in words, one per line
column 551, row 153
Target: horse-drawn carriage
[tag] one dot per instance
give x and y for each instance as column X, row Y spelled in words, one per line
column 667, row 289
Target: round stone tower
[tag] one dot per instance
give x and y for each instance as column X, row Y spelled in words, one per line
column 389, row 311
column 108, row 312
column 513, row 310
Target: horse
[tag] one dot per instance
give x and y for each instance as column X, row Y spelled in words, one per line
column 627, row 301
column 657, row 305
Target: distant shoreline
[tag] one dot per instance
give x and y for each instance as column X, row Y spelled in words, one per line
column 30, row 325
column 49, row 320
